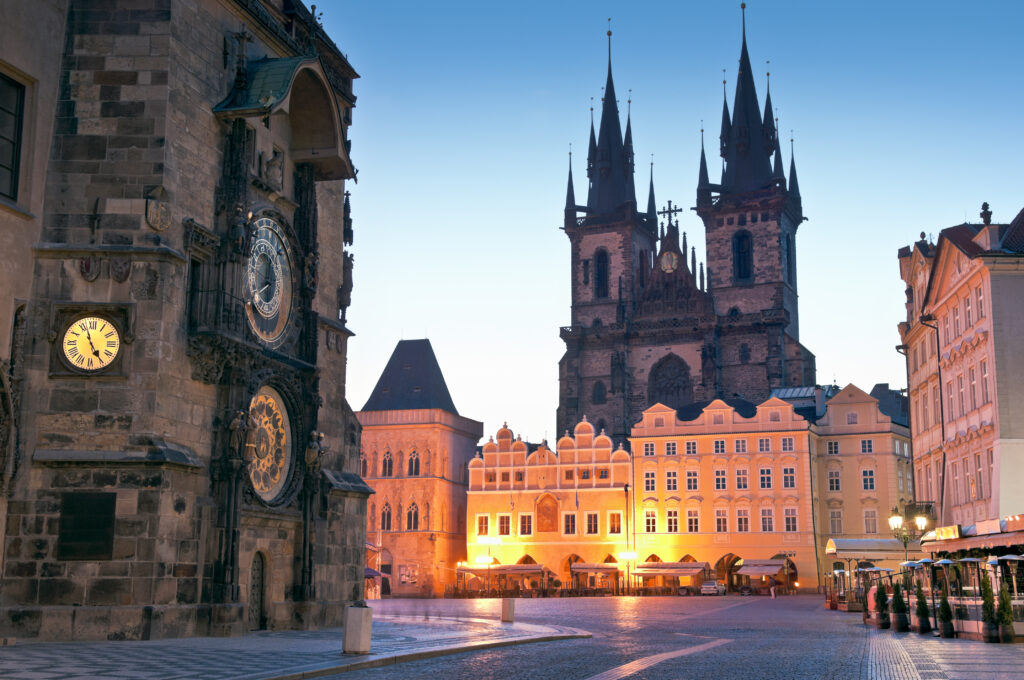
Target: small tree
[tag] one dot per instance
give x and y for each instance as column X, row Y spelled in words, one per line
column 899, row 606
column 881, row 600
column 945, row 611
column 988, row 604
column 922, row 606
column 1005, row 614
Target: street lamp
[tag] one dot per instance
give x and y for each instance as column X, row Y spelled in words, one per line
column 905, row 532
column 628, row 556
column 488, row 560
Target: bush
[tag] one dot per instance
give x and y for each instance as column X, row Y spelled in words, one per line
column 945, row 611
column 1005, row 614
column 988, row 604
column 881, row 599
column 922, row 604
column 899, row 606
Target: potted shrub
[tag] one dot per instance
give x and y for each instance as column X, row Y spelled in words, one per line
column 900, row 624
column 945, row 616
column 924, row 623
column 989, row 628
column 881, row 606
column 1004, row 616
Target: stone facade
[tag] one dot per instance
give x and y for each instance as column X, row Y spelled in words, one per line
column 136, row 505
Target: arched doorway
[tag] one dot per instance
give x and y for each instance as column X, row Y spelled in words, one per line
column 725, row 571
column 257, row 586
column 568, row 576
column 788, row 576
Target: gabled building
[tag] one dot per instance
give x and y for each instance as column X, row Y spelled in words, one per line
column 415, row 449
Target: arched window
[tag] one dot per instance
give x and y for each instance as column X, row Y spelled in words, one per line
column 414, row 464
column 790, row 260
column 412, row 518
column 385, row 518
column 744, row 353
column 599, row 393
column 742, row 256
column 387, row 468
column 362, row 466
column 601, row 274
column 670, row 383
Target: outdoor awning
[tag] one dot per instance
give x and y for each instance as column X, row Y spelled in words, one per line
column 760, row 569
column 670, row 568
column 370, row 572
column 870, row 549
column 504, row 569
column 594, row 568
column 1000, row 540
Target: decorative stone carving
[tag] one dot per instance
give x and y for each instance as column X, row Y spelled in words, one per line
column 120, row 269
column 158, row 209
column 89, row 267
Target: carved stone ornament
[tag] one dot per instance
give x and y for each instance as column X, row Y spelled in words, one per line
column 89, row 266
column 120, row 269
column 158, row 209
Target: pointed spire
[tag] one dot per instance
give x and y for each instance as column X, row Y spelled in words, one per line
column 702, row 178
column 570, row 194
column 652, row 210
column 611, row 182
column 723, row 137
column 628, row 149
column 592, row 150
column 794, row 186
column 777, row 173
column 701, row 283
column 693, row 262
column 684, row 248
column 771, row 136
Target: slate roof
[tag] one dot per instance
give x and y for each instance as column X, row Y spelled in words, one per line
column 892, row 403
column 269, row 81
column 411, row 380
column 693, row 411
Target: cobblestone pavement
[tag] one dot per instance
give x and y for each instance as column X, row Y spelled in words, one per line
column 261, row 656
column 714, row 637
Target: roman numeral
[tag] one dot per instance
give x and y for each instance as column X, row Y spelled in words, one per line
column 83, row 326
column 110, row 334
column 90, row 362
column 108, row 353
column 73, row 352
column 92, row 324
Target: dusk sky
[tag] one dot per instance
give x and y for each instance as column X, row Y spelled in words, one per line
column 906, row 116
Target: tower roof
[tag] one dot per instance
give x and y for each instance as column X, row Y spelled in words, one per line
column 611, row 183
column 652, row 210
column 412, row 379
column 570, row 194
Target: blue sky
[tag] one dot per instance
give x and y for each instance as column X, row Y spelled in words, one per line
column 906, row 117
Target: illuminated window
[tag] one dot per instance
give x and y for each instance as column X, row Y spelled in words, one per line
column 670, row 448
column 614, row 522
column 767, row 520
column 649, row 483
column 692, row 521
column 742, row 520
column 788, row 478
column 741, row 446
column 691, row 448
column 650, row 521
column 672, row 521
column 721, row 521
column 385, row 518
column 719, row 480
column 868, row 479
column 787, row 443
column 789, row 517
column 482, row 525
column 834, row 480
column 592, row 523
column 525, row 525
column 741, row 479
column 691, row 480
column 569, row 524
column 671, row 480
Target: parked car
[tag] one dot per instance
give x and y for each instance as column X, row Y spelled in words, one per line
column 712, row 588
column 746, row 590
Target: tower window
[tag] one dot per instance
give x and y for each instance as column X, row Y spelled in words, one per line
column 12, row 101
column 742, row 256
column 599, row 393
column 601, row 274
column 586, row 272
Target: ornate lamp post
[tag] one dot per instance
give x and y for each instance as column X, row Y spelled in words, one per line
column 628, row 556
column 904, row 531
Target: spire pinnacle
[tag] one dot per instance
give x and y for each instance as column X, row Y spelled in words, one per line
column 652, row 210
column 612, row 177
column 794, row 186
column 570, row 193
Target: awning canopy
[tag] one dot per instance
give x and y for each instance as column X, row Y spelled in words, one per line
column 504, row 570
column 760, row 569
column 594, row 567
column 370, row 572
column 870, row 549
column 984, row 541
column 670, row 568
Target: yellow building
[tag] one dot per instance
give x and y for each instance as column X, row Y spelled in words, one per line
column 533, row 515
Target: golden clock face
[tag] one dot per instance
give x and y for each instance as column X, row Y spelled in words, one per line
column 269, row 445
column 669, row 262
column 269, row 282
column 91, row 343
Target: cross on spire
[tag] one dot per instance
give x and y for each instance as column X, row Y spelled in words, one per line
column 670, row 211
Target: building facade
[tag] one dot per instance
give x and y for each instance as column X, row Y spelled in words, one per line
column 961, row 337
column 414, row 453
column 646, row 325
column 180, row 456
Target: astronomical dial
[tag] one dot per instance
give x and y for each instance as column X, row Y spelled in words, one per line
column 269, row 444
column 269, row 282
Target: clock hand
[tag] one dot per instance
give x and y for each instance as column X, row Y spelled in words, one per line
column 88, row 336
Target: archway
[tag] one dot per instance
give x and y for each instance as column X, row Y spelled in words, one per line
column 257, row 587
column 789, row 575
column 670, row 382
column 725, row 571
column 568, row 577
column 526, row 559
column 688, row 558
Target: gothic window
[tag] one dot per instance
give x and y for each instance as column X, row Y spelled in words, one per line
column 790, row 260
column 386, row 465
column 742, row 256
column 586, row 272
column 744, row 353
column 12, row 101
column 670, row 383
column 601, row 274
column 412, row 518
column 599, row 393
column 385, row 518
column 362, row 466
column 414, row 464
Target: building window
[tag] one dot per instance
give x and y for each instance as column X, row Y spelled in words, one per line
column 719, row 446
column 519, row 475
column 835, row 522
column 719, row 480
column 991, row 465
column 568, row 475
column 767, row 520
column 670, row 448
column 866, row 446
column 504, row 525
column 928, row 481
column 956, row 322
column 412, row 518
column 766, row 478
column 649, row 483
column 614, row 522
column 742, row 520
column 955, row 486
column 870, row 521
column 787, row 443
column 650, row 521
column 691, row 480
column 718, row 419
column 693, row 521
column 968, row 319
column 602, row 473
column 741, row 446
column 977, row 476
column 414, row 466
column 899, row 478
column 584, row 474
column 949, row 401
column 505, row 476
column 741, row 479
column 671, row 480
column 742, row 256
column 601, row 274
column 981, row 301
column 832, row 448
column 569, row 524
column 86, row 524
column 721, row 521
column 12, row 102
column 525, row 525
column 492, row 477
column 834, row 480
column 851, row 418
column 969, row 491
column 592, row 523
column 482, row 524
column 984, row 381
column 868, row 479
column 764, row 445
column 648, row 448
column 960, row 393
column 972, row 376
column 788, row 478
column 385, row 518
column 386, row 465
column 672, row 521
column 789, row 516
column 600, row 393
column 691, row 448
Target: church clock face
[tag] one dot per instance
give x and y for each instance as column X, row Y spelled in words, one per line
column 91, row 343
column 269, row 282
column 669, row 262
column 269, row 444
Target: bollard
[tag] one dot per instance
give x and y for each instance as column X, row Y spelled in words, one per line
column 508, row 610
column 358, row 627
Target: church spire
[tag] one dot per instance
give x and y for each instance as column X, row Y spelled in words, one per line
column 747, row 162
column 794, row 186
column 570, row 194
column 652, row 210
column 771, row 135
column 611, row 182
column 628, row 149
column 723, row 137
column 592, row 149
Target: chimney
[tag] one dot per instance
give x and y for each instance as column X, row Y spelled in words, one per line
column 819, row 401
